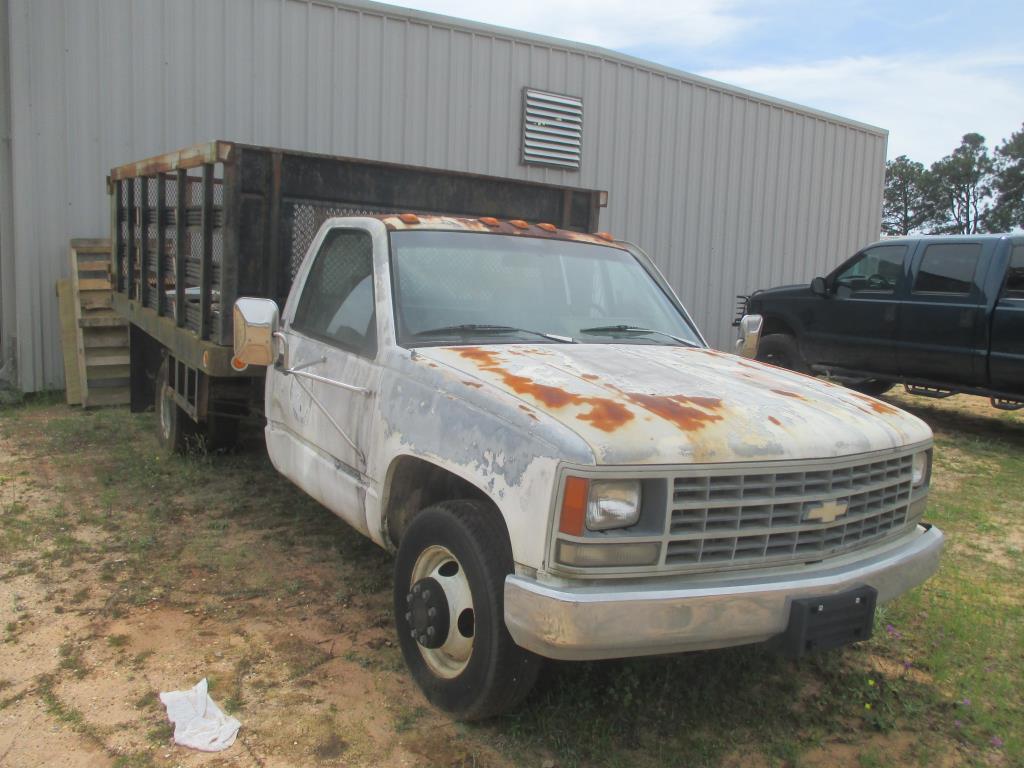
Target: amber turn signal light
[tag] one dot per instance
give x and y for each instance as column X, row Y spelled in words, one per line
column 574, row 505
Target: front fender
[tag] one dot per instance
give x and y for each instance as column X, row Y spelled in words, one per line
column 478, row 434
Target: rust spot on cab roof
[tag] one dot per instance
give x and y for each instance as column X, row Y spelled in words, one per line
column 590, row 376
column 688, row 413
column 474, row 384
column 775, row 421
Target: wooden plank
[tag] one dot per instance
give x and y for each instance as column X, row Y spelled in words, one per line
column 106, row 356
column 110, row 396
column 83, row 379
column 93, row 284
column 94, row 265
column 105, row 337
column 95, row 300
column 98, row 373
column 68, row 340
column 102, row 320
column 91, row 245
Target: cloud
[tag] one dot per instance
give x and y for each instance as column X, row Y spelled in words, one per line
column 926, row 103
column 617, row 24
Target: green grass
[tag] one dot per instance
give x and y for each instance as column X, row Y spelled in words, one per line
column 942, row 675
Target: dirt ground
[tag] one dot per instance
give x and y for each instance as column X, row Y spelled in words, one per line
column 124, row 572
column 312, row 684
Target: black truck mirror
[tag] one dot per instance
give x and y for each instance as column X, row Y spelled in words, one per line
column 818, row 287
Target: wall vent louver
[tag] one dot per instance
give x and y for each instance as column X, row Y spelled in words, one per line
column 552, row 129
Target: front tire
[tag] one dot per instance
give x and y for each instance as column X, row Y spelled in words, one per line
column 782, row 350
column 449, row 611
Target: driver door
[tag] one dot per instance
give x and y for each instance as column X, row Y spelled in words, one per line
column 855, row 325
column 322, row 396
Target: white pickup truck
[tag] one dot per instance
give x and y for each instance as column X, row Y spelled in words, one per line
column 531, row 420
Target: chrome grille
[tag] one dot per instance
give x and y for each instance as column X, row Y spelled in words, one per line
column 758, row 516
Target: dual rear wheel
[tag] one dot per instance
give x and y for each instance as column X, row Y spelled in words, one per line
column 178, row 432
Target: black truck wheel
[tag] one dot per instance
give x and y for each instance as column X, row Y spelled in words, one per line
column 781, row 349
column 174, row 428
column 873, row 387
column 449, row 611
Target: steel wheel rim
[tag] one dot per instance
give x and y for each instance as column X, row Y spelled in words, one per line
column 451, row 658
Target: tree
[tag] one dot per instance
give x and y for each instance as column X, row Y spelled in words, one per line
column 959, row 188
column 905, row 206
column 1008, row 211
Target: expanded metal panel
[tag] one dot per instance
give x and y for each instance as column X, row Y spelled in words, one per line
column 306, row 219
column 552, row 129
column 764, row 516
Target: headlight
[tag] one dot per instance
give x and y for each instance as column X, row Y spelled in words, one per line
column 920, row 468
column 613, row 504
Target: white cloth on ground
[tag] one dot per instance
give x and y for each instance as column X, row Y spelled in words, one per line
column 198, row 721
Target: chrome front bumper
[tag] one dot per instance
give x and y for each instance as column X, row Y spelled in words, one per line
column 621, row 619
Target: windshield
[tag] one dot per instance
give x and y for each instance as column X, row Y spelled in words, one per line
column 453, row 287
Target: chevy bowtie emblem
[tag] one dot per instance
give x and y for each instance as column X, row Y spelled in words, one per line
column 826, row 512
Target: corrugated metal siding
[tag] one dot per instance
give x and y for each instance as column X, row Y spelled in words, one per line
column 7, row 292
column 728, row 191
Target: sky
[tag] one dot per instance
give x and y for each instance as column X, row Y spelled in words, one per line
column 929, row 72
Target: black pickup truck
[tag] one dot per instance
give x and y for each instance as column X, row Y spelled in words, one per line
column 940, row 314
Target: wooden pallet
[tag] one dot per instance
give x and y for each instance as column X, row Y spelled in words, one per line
column 101, row 335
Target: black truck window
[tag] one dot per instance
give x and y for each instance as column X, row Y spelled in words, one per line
column 948, row 268
column 1015, row 275
column 877, row 269
column 337, row 302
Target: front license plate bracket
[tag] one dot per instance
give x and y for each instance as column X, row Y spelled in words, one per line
column 822, row 623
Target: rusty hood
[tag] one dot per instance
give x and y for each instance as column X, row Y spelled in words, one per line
column 653, row 404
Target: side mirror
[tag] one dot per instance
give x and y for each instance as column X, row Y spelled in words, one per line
column 819, row 287
column 256, row 322
column 750, row 335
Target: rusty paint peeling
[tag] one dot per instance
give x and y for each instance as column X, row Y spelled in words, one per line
column 875, row 405
column 775, row 421
column 604, row 414
column 474, row 384
column 688, row 413
column 492, row 225
column 526, row 409
column 785, row 393
column 590, row 376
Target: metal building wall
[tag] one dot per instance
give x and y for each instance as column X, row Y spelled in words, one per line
column 7, row 307
column 728, row 190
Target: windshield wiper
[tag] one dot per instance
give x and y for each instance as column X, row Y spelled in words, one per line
column 465, row 329
column 610, row 329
